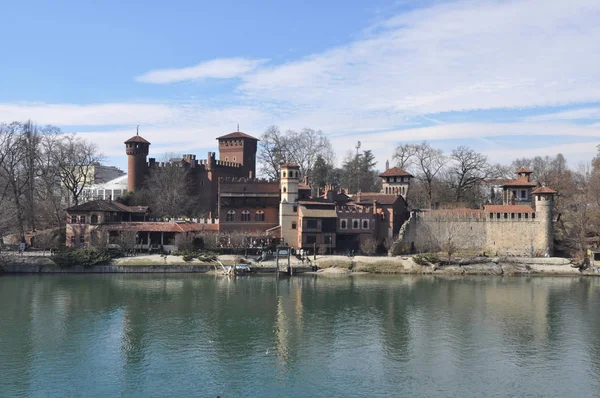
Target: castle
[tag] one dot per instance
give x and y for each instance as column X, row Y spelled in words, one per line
column 334, row 221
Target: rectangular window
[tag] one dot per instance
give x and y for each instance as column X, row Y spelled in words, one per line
column 73, row 219
column 526, row 215
column 293, row 225
column 519, row 216
column 523, row 194
column 311, row 239
column 72, row 240
column 512, row 215
column 295, row 209
column 532, row 215
column 81, row 239
column 505, row 215
column 82, row 219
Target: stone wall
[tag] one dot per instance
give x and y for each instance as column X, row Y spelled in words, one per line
column 464, row 231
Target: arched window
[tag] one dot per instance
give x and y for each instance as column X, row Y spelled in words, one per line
column 284, row 174
column 245, row 216
column 284, row 189
column 355, row 224
column 343, row 224
column 259, row 216
column 365, row 224
column 231, row 215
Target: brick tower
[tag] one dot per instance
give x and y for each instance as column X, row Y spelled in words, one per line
column 239, row 148
column 136, row 149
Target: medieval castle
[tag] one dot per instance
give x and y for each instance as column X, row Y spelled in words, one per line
column 335, row 221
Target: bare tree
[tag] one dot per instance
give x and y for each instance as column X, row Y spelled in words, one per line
column 167, row 190
column 75, row 158
column 404, row 155
column 302, row 147
column 428, row 162
column 468, row 169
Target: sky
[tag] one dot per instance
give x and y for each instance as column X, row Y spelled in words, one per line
column 507, row 78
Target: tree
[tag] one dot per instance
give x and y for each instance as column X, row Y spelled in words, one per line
column 468, row 169
column 167, row 190
column 75, row 158
column 427, row 162
column 301, row 147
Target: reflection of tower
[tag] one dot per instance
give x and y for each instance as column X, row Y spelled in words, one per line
column 544, row 201
column 288, row 206
column 136, row 149
column 289, row 320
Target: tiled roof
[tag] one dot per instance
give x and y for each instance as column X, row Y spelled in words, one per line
column 395, row 172
column 160, row 227
column 543, row 190
column 102, row 205
column 508, row 209
column 237, row 134
column 381, row 198
column 519, row 183
column 524, row 170
column 137, row 138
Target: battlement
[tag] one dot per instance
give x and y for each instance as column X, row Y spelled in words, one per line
column 246, row 180
column 223, row 163
column 452, row 215
column 341, row 210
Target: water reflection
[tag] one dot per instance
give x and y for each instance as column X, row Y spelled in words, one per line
column 138, row 334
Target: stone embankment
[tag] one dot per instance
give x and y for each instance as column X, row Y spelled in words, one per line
column 338, row 265
column 472, row 266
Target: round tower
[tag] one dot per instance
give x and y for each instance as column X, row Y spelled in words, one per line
column 288, row 205
column 136, row 149
column 544, row 202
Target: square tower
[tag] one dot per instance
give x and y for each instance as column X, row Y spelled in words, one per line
column 239, row 148
column 395, row 182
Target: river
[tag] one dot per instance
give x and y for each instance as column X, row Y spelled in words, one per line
column 306, row 336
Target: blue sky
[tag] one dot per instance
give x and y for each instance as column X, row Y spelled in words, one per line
column 509, row 78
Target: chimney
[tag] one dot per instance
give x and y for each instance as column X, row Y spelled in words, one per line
column 306, row 180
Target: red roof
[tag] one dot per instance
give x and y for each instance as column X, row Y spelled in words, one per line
column 160, row 227
column 543, row 190
column 237, row 134
column 508, row 209
column 137, row 138
column 381, row 198
column 524, row 170
column 395, row 172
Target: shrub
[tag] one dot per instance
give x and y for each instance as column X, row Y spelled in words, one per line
column 87, row 258
column 426, row 258
column 187, row 257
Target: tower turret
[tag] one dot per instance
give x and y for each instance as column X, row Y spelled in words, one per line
column 288, row 206
column 395, row 182
column 544, row 202
column 136, row 149
column 239, row 148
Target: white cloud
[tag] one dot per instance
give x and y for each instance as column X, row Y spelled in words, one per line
column 451, row 57
column 88, row 115
column 222, row 68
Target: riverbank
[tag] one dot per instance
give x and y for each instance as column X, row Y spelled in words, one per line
column 339, row 265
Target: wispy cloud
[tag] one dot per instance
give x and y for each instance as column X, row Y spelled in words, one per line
column 222, row 68
column 592, row 113
column 106, row 114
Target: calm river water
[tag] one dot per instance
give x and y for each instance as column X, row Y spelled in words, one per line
column 309, row 336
